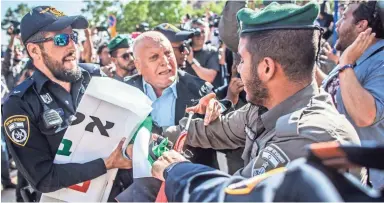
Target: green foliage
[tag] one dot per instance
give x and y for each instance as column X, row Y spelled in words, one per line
column 133, row 12
column 18, row 12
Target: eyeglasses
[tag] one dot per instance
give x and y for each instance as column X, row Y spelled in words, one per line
column 126, row 56
column 60, row 40
column 182, row 48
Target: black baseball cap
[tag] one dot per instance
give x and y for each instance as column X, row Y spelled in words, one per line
column 173, row 33
column 47, row 18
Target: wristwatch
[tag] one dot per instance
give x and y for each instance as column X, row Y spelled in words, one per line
column 346, row 66
column 194, row 61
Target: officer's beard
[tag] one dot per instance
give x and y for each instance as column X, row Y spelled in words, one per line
column 257, row 92
column 59, row 70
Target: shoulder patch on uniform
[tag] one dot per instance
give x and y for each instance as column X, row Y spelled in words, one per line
column 246, row 186
column 20, row 89
column 270, row 158
column 17, row 129
column 287, row 125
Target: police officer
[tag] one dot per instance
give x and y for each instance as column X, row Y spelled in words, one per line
column 39, row 110
column 121, row 55
column 286, row 109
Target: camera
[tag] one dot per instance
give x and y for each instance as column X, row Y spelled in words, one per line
column 216, row 33
column 214, row 22
column 7, row 24
column 196, row 32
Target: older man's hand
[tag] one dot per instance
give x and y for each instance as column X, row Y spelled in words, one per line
column 164, row 161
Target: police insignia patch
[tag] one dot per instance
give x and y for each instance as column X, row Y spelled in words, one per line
column 17, row 129
column 271, row 157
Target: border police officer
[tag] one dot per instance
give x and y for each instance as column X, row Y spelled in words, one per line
column 287, row 110
column 122, row 57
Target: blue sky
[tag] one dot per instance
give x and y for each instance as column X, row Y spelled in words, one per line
column 69, row 7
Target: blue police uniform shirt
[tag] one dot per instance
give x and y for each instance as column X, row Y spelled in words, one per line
column 163, row 113
column 370, row 73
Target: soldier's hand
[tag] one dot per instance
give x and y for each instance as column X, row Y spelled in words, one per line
column 357, row 48
column 209, row 106
column 164, row 161
column 117, row 160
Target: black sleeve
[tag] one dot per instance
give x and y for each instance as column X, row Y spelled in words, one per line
column 34, row 159
column 188, row 182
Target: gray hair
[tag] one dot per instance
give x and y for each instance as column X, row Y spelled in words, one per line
column 151, row 35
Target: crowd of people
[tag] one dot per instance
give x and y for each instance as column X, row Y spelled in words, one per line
column 297, row 119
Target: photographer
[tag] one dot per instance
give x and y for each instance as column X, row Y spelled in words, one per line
column 12, row 66
column 203, row 61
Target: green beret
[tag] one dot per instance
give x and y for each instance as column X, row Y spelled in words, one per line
column 120, row 41
column 276, row 16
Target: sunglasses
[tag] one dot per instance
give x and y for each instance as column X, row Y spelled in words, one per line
column 126, row 56
column 60, row 40
column 182, row 47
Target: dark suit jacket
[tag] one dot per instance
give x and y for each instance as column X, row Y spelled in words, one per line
column 189, row 90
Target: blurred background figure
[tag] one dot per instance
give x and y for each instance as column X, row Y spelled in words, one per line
column 103, row 54
column 120, row 49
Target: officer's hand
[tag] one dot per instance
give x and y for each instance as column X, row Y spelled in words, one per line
column 209, row 106
column 357, row 48
column 235, row 87
column 117, row 160
column 164, row 161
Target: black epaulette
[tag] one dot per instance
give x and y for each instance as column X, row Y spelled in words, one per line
column 20, row 89
column 92, row 69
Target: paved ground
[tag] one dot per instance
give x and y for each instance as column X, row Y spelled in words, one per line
column 9, row 194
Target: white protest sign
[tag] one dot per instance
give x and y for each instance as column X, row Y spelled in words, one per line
column 108, row 111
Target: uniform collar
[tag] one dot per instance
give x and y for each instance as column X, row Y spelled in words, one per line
column 40, row 78
column 148, row 87
column 370, row 51
column 297, row 101
column 118, row 77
